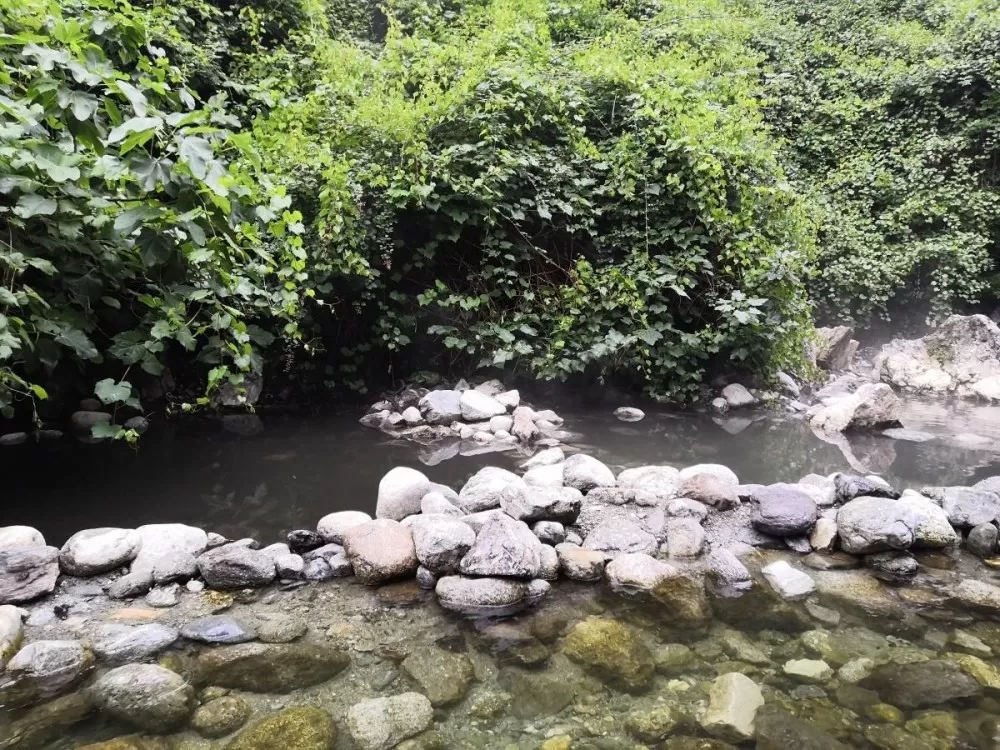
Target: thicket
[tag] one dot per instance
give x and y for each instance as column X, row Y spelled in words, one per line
column 345, row 192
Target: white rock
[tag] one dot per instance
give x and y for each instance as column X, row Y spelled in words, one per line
column 545, row 476
column 509, row 399
column 732, row 707
column 586, row 472
column 546, row 457
column 722, row 472
column 435, row 502
column 488, row 487
column 20, row 537
column 382, row 723
column 580, row 564
column 478, row 407
column 502, row 423
column 787, row 581
column 685, row 538
column 11, row 632
column 94, row 551
column 545, row 504
column 629, row 414
column 737, row 396
column 381, row 550
column 441, row 542
column 503, row 547
column 411, row 415
column 808, row 670
column 400, row 492
column 334, row 527
column 823, row 537
column 637, row 572
column 659, row 480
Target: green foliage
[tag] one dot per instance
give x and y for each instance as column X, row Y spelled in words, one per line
column 133, row 223
column 891, row 115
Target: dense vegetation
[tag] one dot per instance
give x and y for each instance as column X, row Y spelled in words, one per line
column 342, row 193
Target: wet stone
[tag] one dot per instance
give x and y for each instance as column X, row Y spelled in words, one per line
column 280, row 628
column 982, row 540
column 382, row 723
column 221, row 716
column 145, row 696
column 537, row 693
column 120, row 644
column 779, row 730
column 928, row 683
column 732, row 707
column 612, row 651
column 302, row 728
column 831, row 561
column 262, row 668
column 443, row 677
column 218, row 629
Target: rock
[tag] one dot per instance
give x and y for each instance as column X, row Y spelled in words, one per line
column 164, row 596
column 46, row 668
column 893, row 567
column 586, row 472
column 661, row 481
column 808, row 670
column 682, row 601
column 871, row 524
column 500, row 424
column 444, row 677
column 849, row 486
column 82, row 421
column 118, row 644
column 637, row 573
column 44, row 724
column 738, row 397
column 27, row 573
column 11, row 633
column 983, row 672
column 382, row 723
column 279, row 628
column 835, row 349
column 874, row 406
column 303, row 540
column 20, row 537
column 434, row 503
column 489, row 488
column 218, row 629
column 165, row 546
column 718, row 470
column 790, row 583
column 620, row 536
column 400, row 492
column 260, row 668
column 145, row 696
column 927, row 683
column 982, row 540
column 726, row 573
column 479, row 407
column 544, row 503
column 977, row 595
column 710, row 489
column 503, row 547
column 629, row 414
column 823, row 537
column 524, row 428
column 779, row 730
column 301, row 728
column 496, row 597
column 13, row 438
column 682, row 507
column 549, row 532
column 426, row 579
column 966, row 507
column 547, row 457
column 441, row 542
column 411, row 416
column 655, row 725
column 222, row 716
column 289, row 567
column 334, row 527
column 782, row 510
column 95, row 551
column 381, row 550
column 235, row 567
column 685, row 538
column 580, row 564
column 930, row 524
column 177, row 567
column 441, row 407
column 732, row 707
column 548, row 569
column 612, row 651
column 545, row 476
column 509, row 399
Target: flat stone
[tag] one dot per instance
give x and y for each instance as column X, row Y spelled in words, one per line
column 618, row 535
column 27, row 573
column 94, row 551
column 380, row 551
column 808, row 670
column 790, row 583
column 496, row 597
column 733, row 703
column 444, row 677
column 234, row 567
column 924, row 684
column 382, row 723
column 117, row 644
column 218, row 629
column 265, row 668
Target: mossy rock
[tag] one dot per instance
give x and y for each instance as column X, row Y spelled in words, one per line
column 683, row 601
column 612, row 651
column 303, row 728
column 655, row 725
column 130, row 742
column 262, row 668
column 221, row 716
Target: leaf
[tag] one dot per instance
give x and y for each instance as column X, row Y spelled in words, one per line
column 110, row 392
column 649, row 335
column 197, row 153
column 104, row 431
column 150, row 172
column 35, row 205
column 128, row 220
column 82, row 104
column 155, row 247
column 133, row 125
column 78, row 341
column 39, row 391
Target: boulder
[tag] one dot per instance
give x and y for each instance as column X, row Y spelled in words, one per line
column 382, row 723
column 116, row 643
column 789, row 582
column 580, row 564
column 545, row 476
column 301, row 728
column 489, row 488
column 303, row 540
column 617, row 535
column 929, row 521
column 924, row 684
column 685, row 538
column 444, row 677
column 872, row 524
column 477, row 406
column 46, row 668
column 493, row 597
column 586, row 472
column 560, row 504
column 441, row 407
column 20, row 537
column 94, row 551
column 612, row 651
column 834, row 348
column 503, row 547
column 265, row 668
column 718, row 470
column 524, row 428
column 146, row 696
column 162, row 545
column 510, row 399
column 661, row 481
column 435, row 503
column 637, row 573
column 733, row 703
column 549, row 532
column 966, row 507
column 847, row 487
column 893, row 567
column 547, row 457
column 334, row 526
column 737, row 396
column 982, row 540
column 874, row 406
column 400, row 492
column 979, row 596
column 233, row 566
column 380, row 551
column 221, row 716
column 11, row 633
column 710, row 489
column 783, row 510
column 441, row 542
column 27, row 573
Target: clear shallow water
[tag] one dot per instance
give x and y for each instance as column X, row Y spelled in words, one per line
column 297, row 469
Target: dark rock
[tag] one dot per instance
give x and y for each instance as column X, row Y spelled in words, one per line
column 262, row 668
column 893, row 567
column 233, row 566
column 831, row 561
column 444, row 677
column 982, row 540
column 929, row 683
column 302, row 540
column 779, row 730
column 784, row 511
column 850, row 486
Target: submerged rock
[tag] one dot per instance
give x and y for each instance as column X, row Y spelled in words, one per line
column 924, row 684
column 732, row 707
column 629, row 414
column 221, row 716
column 497, row 597
column 612, row 651
column 145, row 696
column 779, row 730
column 262, row 668
column 46, row 668
column 218, row 630
column 790, row 583
column 120, row 644
column 382, row 723
column 301, row 728
column 444, row 677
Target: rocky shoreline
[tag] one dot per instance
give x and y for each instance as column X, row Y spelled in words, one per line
column 688, row 542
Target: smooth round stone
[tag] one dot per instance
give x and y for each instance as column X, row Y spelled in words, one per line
column 221, row 716
column 218, row 629
column 629, row 414
column 148, row 697
column 94, row 551
column 279, row 628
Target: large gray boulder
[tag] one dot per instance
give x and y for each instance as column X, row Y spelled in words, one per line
column 783, row 510
column 966, row 507
column 835, row 348
column 334, row 526
column 873, row 406
column 20, row 537
column 586, row 472
column 46, row 668
column 440, row 541
column 661, row 481
column 11, row 633
column 441, row 407
column 382, row 723
column 400, row 492
column 490, row 488
column 164, row 546
column 380, row 551
column 931, row 526
column 617, row 536
column 503, row 547
column 94, row 551
column 269, row 668
column 489, row 597
column 637, row 573
column 479, row 407
column 27, row 573
column 560, row 504
column 872, row 524
column 116, row 643
column 737, row 396
column 234, row 566
column 146, row 696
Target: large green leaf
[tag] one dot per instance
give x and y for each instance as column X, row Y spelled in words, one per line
column 35, row 205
